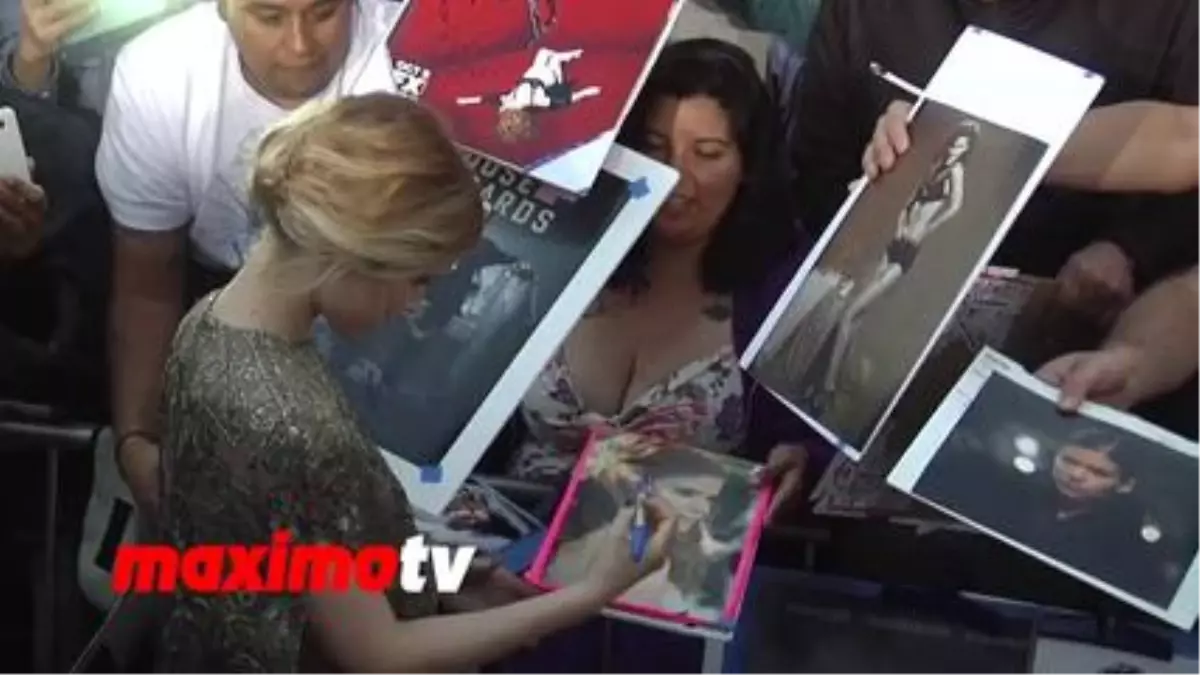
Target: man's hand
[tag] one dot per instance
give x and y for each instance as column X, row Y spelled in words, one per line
column 138, row 460
column 22, row 216
column 1097, row 280
column 44, row 24
column 1110, row 376
column 785, row 470
column 889, row 141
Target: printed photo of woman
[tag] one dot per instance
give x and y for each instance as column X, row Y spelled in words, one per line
column 891, row 268
column 709, row 497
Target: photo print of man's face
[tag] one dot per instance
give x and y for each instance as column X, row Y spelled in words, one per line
column 1086, row 470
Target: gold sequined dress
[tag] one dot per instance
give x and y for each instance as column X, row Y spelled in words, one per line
column 260, row 438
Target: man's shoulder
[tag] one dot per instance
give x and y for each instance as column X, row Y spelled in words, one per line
column 169, row 56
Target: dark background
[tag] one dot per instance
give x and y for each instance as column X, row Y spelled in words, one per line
column 795, row 623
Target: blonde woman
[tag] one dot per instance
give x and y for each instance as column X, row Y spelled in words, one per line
column 363, row 201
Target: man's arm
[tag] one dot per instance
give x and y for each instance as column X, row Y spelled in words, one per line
column 1138, row 146
column 143, row 176
column 147, row 301
column 1162, row 326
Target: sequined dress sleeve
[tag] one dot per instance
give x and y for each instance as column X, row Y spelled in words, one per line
column 258, row 439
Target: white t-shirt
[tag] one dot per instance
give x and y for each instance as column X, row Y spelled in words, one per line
column 181, row 126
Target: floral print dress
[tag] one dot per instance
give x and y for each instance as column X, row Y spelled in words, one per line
column 699, row 404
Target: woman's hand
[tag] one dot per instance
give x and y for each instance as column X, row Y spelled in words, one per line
column 785, row 470
column 889, row 141
column 616, row 571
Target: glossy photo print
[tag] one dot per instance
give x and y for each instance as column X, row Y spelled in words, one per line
column 539, row 85
column 1102, row 495
column 845, row 338
column 859, row 323
column 718, row 510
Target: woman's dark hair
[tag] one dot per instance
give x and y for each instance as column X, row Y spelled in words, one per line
column 968, row 129
column 758, row 227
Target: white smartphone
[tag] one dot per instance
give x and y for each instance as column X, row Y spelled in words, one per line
column 14, row 163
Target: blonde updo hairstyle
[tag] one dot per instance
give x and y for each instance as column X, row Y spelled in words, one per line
column 365, row 184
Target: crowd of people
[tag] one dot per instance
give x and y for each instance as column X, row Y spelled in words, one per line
column 252, row 172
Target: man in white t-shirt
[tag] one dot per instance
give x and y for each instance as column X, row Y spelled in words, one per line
column 189, row 99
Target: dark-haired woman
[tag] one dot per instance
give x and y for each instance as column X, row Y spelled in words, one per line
column 658, row 352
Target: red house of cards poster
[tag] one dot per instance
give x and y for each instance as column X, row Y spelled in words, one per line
column 539, row 85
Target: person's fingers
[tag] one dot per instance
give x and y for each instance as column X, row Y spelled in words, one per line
column 785, row 493
column 1053, row 372
column 656, row 555
column 10, row 224
column 1069, row 288
column 899, row 109
column 1090, row 379
column 895, row 128
column 882, row 152
column 27, row 192
column 77, row 17
column 778, row 462
column 622, row 523
column 28, row 206
column 870, row 169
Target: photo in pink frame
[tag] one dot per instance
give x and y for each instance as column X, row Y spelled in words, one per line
column 720, row 511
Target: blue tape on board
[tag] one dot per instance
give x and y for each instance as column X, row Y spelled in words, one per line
column 639, row 188
column 519, row 555
column 431, row 474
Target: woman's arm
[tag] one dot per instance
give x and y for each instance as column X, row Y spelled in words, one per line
column 361, row 634
column 1137, row 146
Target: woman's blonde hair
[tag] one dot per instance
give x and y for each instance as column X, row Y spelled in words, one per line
column 368, row 184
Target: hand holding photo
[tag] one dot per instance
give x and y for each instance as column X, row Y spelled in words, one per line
column 715, row 510
column 1101, row 495
column 863, row 311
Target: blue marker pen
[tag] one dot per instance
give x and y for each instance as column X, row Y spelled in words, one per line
column 639, row 537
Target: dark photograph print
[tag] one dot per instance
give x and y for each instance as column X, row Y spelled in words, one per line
column 1105, row 503
column 418, row 380
column 859, row 322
